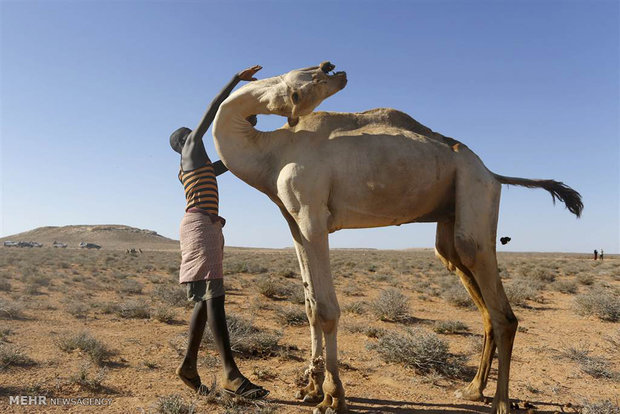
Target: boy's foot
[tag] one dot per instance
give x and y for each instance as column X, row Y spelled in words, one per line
column 246, row 389
column 192, row 380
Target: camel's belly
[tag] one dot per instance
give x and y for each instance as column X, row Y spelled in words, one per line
column 391, row 184
column 378, row 205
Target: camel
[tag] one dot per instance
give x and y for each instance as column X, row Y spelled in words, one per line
column 328, row 171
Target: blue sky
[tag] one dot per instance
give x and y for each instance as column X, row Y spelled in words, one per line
column 90, row 92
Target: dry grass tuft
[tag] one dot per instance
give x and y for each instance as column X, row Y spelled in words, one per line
column 420, row 350
column 565, row 286
column 85, row 342
column 10, row 356
column 134, row 309
column 163, row 314
column 600, row 407
column 450, row 327
column 11, row 310
column 85, row 380
column 519, row 291
column 292, row 316
column 457, row 295
column 597, row 367
column 174, row 404
column 273, row 288
column 600, row 302
column 247, row 340
column 171, row 295
column 391, row 305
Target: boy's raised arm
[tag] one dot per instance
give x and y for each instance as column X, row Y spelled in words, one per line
column 207, row 118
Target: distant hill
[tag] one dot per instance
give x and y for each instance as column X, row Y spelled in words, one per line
column 108, row 236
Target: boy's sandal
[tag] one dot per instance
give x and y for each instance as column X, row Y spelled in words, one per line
column 203, row 390
column 195, row 384
column 248, row 390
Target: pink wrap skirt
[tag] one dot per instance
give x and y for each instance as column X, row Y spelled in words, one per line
column 202, row 248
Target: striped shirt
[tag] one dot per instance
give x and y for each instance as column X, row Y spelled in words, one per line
column 200, row 188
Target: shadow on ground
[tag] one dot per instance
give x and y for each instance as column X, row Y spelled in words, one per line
column 379, row 406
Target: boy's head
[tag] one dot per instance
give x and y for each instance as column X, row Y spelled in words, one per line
column 178, row 138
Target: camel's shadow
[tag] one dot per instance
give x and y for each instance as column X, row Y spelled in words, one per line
column 359, row 405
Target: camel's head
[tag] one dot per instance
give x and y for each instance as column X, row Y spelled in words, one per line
column 308, row 87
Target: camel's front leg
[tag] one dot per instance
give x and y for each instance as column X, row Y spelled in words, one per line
column 313, row 391
column 324, row 312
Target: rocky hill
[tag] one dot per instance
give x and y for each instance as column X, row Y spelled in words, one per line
column 108, row 236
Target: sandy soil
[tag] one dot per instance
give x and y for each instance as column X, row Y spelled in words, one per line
column 53, row 294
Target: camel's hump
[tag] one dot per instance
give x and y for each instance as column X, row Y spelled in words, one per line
column 349, row 121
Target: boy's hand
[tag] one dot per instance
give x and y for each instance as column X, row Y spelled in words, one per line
column 248, row 74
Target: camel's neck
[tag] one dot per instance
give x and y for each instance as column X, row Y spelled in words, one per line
column 245, row 151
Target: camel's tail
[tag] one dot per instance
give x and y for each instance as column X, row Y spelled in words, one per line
column 558, row 190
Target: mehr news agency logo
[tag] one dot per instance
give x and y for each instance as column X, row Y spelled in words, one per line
column 49, row 401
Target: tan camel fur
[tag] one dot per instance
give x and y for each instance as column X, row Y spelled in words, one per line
column 329, row 171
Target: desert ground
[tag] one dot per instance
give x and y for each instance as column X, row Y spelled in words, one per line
column 112, row 324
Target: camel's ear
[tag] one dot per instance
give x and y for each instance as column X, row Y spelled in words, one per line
column 292, row 121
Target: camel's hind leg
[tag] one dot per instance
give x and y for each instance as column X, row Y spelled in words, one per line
column 446, row 252
column 476, row 210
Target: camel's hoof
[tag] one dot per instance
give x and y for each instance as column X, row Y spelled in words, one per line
column 329, row 410
column 308, row 396
column 312, row 398
column 469, row 394
column 331, row 406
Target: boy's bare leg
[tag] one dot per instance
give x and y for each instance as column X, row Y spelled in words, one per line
column 233, row 381
column 217, row 323
column 188, row 370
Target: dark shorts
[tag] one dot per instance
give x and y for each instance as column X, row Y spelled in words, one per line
column 205, row 289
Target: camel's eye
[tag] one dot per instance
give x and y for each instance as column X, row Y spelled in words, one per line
column 295, row 97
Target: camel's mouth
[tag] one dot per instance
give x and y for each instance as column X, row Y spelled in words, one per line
column 341, row 78
column 328, row 69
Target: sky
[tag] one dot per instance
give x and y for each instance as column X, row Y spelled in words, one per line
column 90, row 92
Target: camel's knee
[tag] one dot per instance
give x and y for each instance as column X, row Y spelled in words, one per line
column 507, row 326
column 311, row 311
column 466, row 248
column 511, row 321
column 328, row 314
